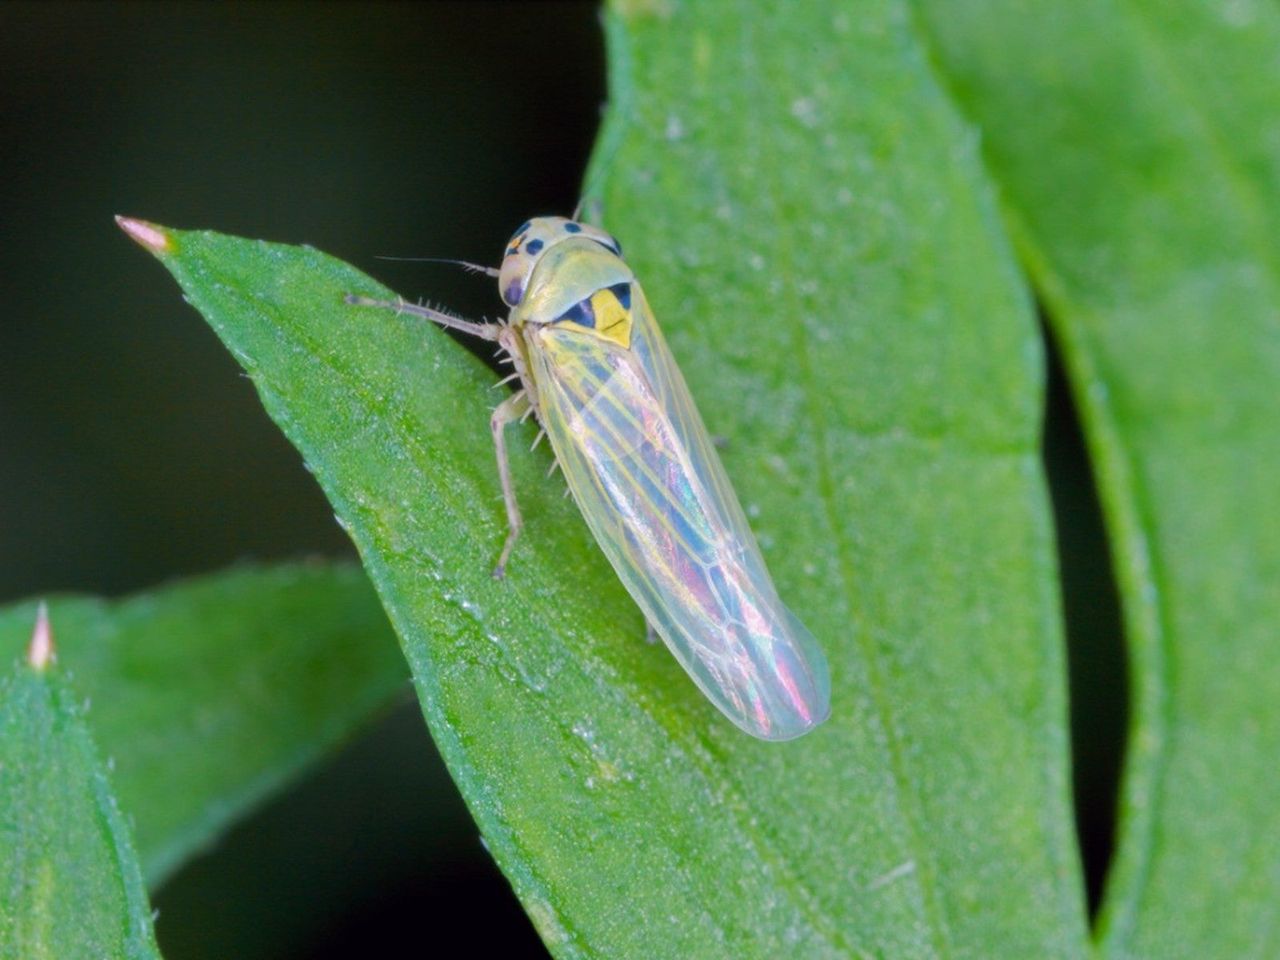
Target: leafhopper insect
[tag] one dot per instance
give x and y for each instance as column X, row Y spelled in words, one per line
column 595, row 371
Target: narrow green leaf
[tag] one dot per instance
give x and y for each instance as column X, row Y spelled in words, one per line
column 810, row 221
column 209, row 694
column 70, row 885
column 1136, row 146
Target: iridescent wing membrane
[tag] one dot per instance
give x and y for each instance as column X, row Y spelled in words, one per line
column 642, row 469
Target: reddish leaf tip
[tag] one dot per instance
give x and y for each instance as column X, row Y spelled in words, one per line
column 147, row 235
column 40, row 652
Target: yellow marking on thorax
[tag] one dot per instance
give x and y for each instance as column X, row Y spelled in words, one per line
column 613, row 320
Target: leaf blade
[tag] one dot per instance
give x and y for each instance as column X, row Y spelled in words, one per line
column 929, row 409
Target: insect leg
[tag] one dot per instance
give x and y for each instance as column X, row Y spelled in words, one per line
column 485, row 331
column 508, row 411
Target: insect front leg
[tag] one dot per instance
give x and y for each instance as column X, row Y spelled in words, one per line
column 510, row 410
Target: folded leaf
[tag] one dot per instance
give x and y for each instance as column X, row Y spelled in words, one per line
column 210, row 694
column 1137, row 153
column 70, row 886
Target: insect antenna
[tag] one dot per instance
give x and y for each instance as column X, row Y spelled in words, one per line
column 465, row 264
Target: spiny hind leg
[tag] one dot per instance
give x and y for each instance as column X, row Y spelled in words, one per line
column 514, row 408
column 485, row 331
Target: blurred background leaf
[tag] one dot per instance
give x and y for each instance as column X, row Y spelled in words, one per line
column 209, row 695
column 71, row 885
column 1138, row 150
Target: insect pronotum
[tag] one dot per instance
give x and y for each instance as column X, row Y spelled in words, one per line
column 594, row 369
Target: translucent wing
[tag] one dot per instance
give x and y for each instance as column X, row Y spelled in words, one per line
column 643, row 471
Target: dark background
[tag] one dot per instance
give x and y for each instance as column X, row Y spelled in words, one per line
column 133, row 451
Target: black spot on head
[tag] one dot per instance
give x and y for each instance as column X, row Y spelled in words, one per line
column 533, row 246
column 572, row 227
column 513, row 293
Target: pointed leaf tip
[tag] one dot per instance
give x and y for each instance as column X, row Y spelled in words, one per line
column 147, row 235
column 40, row 652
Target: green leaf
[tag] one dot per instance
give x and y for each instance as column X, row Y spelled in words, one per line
column 210, row 694
column 70, row 885
column 809, row 218
column 1136, row 149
